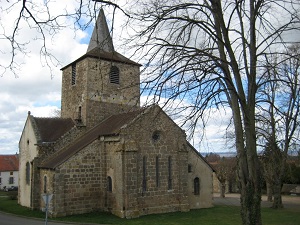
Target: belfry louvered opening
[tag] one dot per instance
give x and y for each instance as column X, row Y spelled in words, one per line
column 114, row 75
column 73, row 74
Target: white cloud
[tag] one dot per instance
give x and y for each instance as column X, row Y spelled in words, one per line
column 33, row 89
column 207, row 137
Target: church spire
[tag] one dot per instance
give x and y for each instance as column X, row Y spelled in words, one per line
column 101, row 38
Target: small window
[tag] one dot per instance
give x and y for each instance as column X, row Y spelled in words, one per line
column 45, row 184
column 11, row 180
column 156, row 136
column 196, row 186
column 28, row 141
column 73, row 73
column 109, row 184
column 27, row 173
column 11, row 173
column 79, row 113
column 114, row 75
column 189, row 168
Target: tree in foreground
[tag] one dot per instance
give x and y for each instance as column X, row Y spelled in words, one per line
column 205, row 55
column 200, row 56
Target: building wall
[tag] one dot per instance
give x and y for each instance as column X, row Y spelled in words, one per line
column 5, row 177
column 73, row 95
column 78, row 186
column 95, row 95
column 141, row 150
column 199, row 169
column 28, row 152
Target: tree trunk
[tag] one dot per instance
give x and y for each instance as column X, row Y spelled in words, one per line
column 269, row 191
column 222, row 191
column 277, row 203
column 250, row 205
column 249, row 170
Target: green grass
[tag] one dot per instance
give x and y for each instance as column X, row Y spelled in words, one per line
column 219, row 215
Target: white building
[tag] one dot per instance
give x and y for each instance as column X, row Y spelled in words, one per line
column 9, row 170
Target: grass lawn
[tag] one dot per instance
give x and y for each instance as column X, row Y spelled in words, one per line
column 219, row 215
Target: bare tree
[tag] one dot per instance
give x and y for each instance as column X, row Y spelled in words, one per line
column 208, row 54
column 279, row 115
column 226, row 173
column 46, row 20
column 56, row 113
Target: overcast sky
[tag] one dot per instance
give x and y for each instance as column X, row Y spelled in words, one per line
column 34, row 89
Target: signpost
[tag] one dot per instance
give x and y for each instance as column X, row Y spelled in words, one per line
column 47, row 198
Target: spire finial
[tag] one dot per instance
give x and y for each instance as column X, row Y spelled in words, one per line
column 101, row 37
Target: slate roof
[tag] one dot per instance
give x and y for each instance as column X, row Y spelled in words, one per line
column 101, row 36
column 97, row 53
column 9, row 163
column 101, row 45
column 51, row 129
column 109, row 127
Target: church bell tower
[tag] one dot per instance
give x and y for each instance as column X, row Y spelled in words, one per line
column 100, row 83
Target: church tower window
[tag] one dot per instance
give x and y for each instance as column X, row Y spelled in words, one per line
column 114, row 75
column 73, row 73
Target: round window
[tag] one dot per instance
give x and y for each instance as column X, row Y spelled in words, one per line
column 156, row 136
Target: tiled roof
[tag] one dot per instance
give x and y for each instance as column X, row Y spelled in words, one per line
column 110, row 126
column 9, row 163
column 50, row 129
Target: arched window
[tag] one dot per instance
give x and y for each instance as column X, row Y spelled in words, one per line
column 109, row 184
column 157, row 170
column 169, row 173
column 28, row 173
column 45, row 184
column 114, row 75
column 197, row 186
column 144, row 174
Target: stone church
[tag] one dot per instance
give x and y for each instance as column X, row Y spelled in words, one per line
column 105, row 152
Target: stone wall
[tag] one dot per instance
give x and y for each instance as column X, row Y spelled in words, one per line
column 201, row 170
column 150, row 138
column 79, row 183
column 95, row 95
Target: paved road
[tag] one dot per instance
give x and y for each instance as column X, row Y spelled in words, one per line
column 234, row 199
column 230, row 199
column 9, row 219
